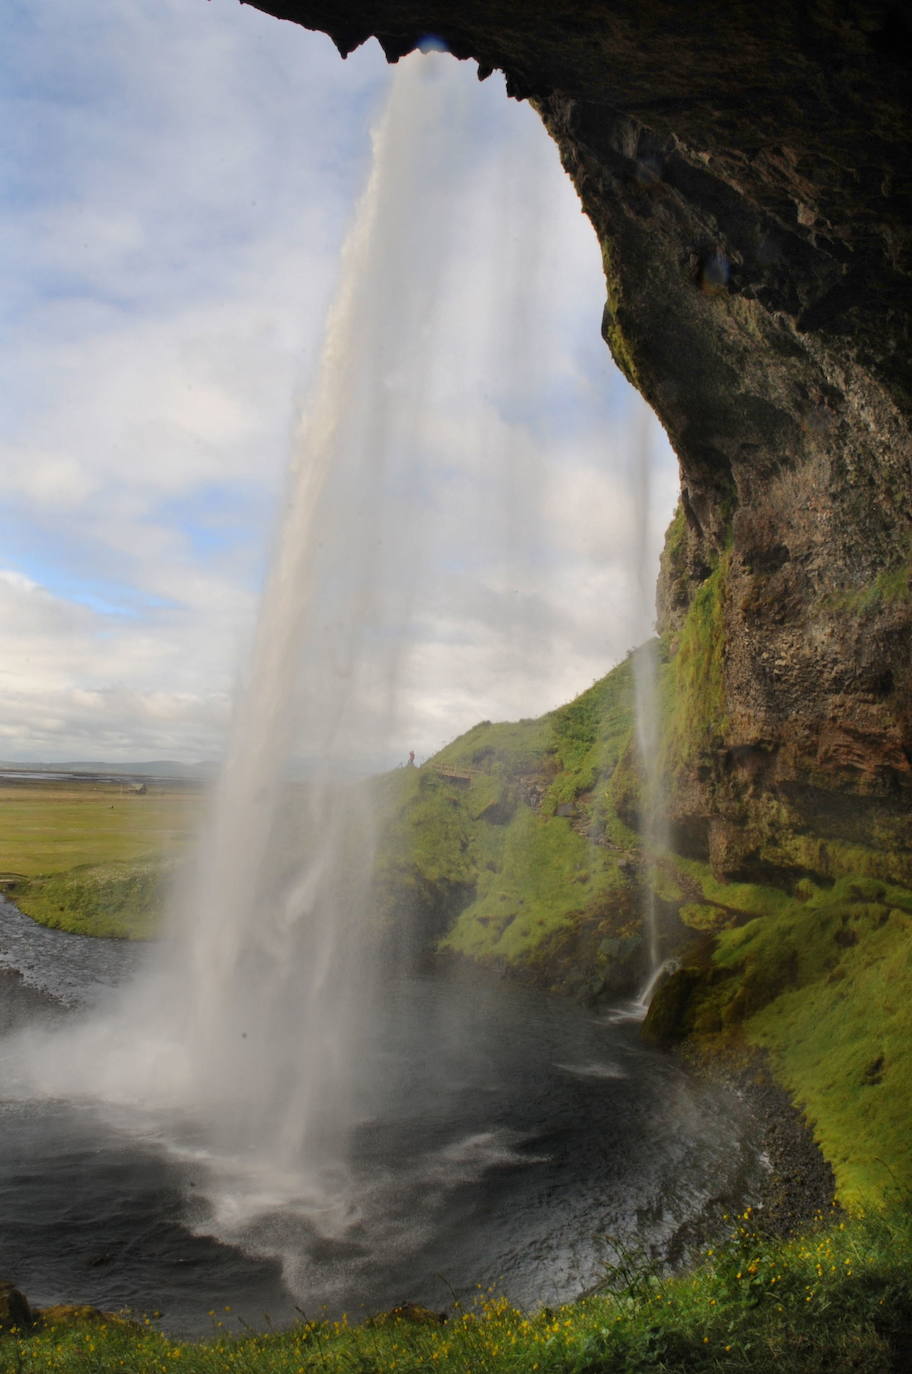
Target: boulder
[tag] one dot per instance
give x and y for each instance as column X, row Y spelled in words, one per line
column 15, row 1312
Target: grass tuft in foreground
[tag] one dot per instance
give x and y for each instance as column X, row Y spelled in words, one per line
column 837, row 1299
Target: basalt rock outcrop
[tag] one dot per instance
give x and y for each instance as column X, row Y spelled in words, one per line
column 747, row 172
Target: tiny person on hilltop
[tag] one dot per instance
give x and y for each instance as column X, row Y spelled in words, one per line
column 411, row 758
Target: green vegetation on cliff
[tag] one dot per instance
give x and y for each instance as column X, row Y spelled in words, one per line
column 694, row 682
column 512, row 831
column 525, row 834
column 823, row 981
column 800, row 927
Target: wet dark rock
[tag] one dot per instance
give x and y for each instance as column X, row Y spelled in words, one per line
column 79, row 1314
column 800, row 1185
column 22, row 1005
column 15, row 1312
column 667, row 1021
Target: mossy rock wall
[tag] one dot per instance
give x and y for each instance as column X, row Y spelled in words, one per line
column 521, row 842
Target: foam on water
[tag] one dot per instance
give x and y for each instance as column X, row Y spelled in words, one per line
column 594, row 1069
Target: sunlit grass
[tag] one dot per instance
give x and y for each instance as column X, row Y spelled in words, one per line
column 822, row 980
column 838, row 1298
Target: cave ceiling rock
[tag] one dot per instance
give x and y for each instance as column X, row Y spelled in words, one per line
column 747, row 172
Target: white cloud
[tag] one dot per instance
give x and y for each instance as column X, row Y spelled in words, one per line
column 76, row 675
column 183, row 180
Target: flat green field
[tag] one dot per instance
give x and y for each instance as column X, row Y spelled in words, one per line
column 93, row 857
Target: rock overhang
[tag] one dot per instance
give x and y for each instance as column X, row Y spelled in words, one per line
column 747, row 174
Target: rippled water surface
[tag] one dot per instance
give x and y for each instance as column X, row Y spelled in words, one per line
column 502, row 1139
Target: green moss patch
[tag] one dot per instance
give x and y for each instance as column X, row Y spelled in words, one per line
column 694, row 680
column 842, row 1044
column 823, row 981
column 539, row 879
column 515, row 828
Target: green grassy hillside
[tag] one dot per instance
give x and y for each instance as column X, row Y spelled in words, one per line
column 517, row 848
column 508, row 847
column 823, row 981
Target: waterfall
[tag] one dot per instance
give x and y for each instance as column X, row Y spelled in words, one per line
column 648, row 705
column 652, row 812
column 245, row 1029
column 238, row 1049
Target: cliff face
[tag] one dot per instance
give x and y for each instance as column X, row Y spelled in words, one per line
column 747, row 174
column 755, row 309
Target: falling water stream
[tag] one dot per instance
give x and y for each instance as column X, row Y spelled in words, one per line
column 273, row 1093
column 647, row 700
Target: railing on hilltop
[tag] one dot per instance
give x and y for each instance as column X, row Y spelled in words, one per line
column 460, row 774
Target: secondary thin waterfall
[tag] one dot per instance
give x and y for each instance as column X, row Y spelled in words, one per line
column 653, row 810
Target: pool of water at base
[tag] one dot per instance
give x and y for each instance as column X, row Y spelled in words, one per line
column 504, row 1140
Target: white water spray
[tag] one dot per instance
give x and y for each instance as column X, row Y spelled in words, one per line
column 243, row 1037
column 239, row 1049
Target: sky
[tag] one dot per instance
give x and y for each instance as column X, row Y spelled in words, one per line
column 179, row 180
